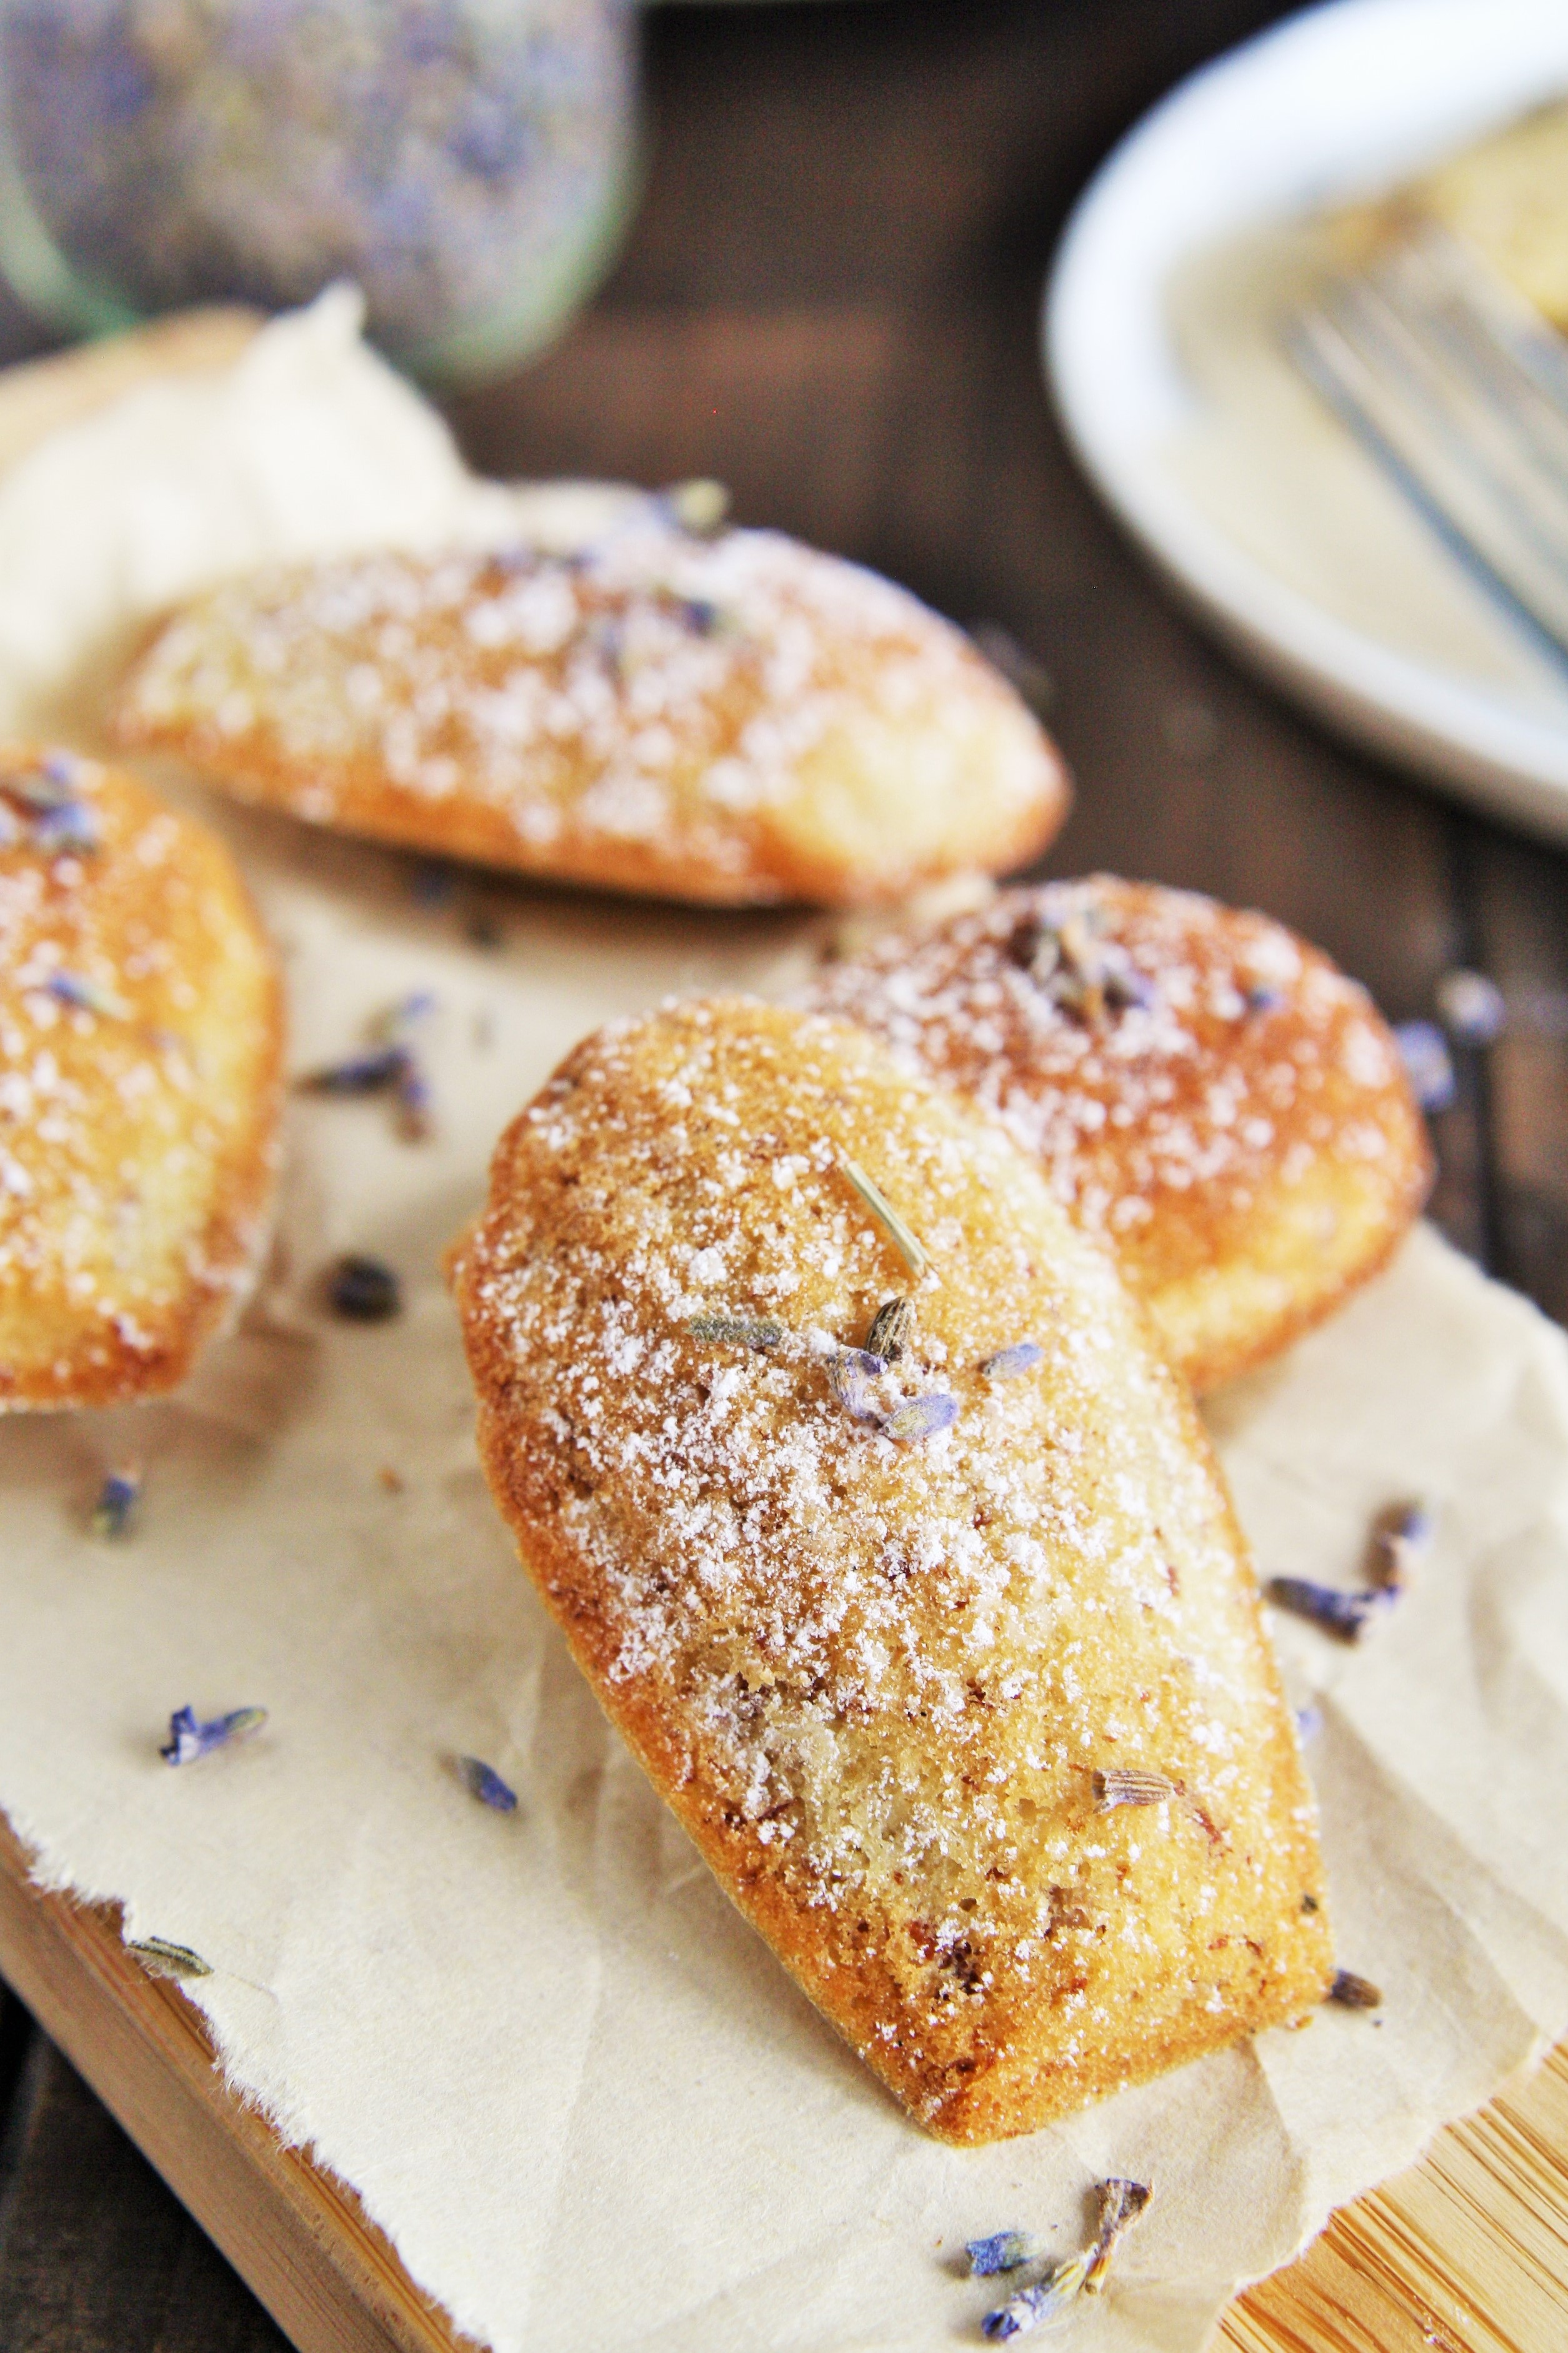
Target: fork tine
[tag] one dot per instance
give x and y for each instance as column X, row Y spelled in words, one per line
column 1408, row 358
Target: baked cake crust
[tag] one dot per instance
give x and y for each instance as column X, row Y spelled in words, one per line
column 1231, row 1117
column 140, row 1042
column 904, row 1692
column 736, row 720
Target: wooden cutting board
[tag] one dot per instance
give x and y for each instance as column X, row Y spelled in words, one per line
column 1465, row 2253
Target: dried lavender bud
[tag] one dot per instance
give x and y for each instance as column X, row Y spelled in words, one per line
column 1309, row 1722
column 700, row 616
column 849, row 1375
column 1032, row 2306
column 163, row 1960
column 1009, row 1363
column 41, row 789
column 483, row 1782
column 1130, row 1785
column 1028, row 678
column 366, row 1290
column 189, row 1739
column 744, row 1331
column 84, row 996
column 1337, row 1612
column 892, row 1328
column 1427, row 1066
column 68, row 825
column 362, row 1074
column 1470, row 1008
column 1003, row 2252
column 117, row 1499
column 1400, row 1537
column 920, row 1416
column 1263, row 999
column 1352, row 1993
column 698, row 507
column 414, row 1119
column 1120, row 2203
column 883, row 1210
column 1311, row 1903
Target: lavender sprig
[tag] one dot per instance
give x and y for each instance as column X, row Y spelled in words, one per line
column 1120, row 2203
column 189, row 1738
column 483, row 1782
column 913, row 1251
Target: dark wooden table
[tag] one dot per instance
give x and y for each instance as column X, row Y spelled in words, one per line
column 831, row 300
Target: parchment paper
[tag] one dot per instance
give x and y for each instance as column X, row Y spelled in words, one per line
column 574, row 2088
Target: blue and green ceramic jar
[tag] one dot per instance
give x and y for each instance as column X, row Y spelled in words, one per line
column 467, row 163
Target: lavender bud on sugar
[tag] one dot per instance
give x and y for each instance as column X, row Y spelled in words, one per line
column 117, row 1501
column 920, row 1416
column 189, row 1738
column 1427, row 1066
column 1130, row 1785
column 741, row 1330
column 1003, row 2252
column 483, row 1782
column 849, row 1375
column 1010, row 1363
column 85, row 995
column 892, row 1328
column 364, row 1290
column 1263, row 999
column 70, row 826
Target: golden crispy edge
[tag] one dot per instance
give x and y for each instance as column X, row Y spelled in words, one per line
column 232, row 1242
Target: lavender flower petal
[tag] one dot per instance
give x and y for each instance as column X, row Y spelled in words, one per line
column 849, row 1375
column 483, row 1782
column 189, row 1738
column 922, row 1416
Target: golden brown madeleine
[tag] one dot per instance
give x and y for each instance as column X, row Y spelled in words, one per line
column 901, row 1650
column 1205, row 1093
column 736, row 719
column 141, row 1035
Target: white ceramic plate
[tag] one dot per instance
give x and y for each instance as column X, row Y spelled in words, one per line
column 1338, row 102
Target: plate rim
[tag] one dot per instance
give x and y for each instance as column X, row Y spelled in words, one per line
column 1490, row 750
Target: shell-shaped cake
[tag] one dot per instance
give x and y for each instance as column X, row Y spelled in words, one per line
column 141, row 1036
column 735, row 720
column 895, row 1549
column 1207, row 1093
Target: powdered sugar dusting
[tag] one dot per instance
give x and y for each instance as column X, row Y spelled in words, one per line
column 890, row 1670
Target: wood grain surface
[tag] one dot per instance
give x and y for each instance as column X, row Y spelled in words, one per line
column 830, row 298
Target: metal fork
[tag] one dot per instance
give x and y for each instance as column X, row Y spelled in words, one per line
column 1458, row 390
